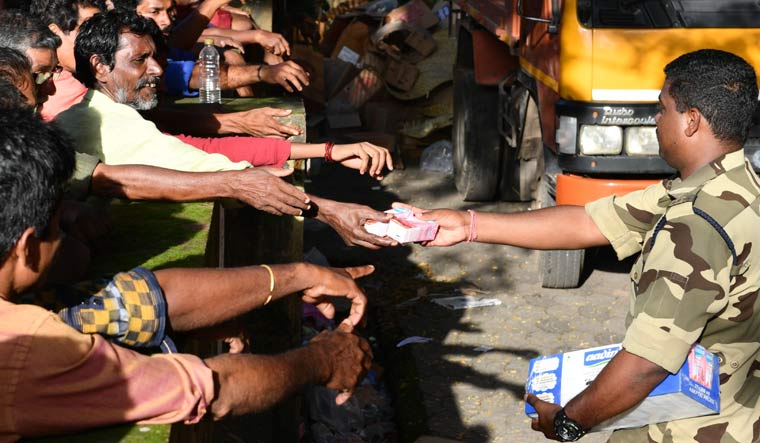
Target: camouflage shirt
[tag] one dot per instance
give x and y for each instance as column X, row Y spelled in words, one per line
column 695, row 281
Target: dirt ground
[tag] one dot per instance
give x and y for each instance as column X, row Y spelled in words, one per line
column 449, row 387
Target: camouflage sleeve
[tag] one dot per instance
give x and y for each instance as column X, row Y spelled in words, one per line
column 682, row 281
column 625, row 220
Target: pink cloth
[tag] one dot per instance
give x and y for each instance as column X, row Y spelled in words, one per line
column 68, row 92
column 57, row 380
column 256, row 151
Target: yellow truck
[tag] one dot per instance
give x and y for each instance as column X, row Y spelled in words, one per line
column 554, row 100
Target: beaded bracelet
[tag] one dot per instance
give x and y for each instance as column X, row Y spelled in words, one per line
column 328, row 152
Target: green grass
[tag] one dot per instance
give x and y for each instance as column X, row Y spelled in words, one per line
column 154, row 235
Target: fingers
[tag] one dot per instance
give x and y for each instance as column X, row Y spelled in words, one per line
column 414, row 209
column 343, row 396
column 345, row 326
column 277, row 112
column 359, row 271
column 278, row 172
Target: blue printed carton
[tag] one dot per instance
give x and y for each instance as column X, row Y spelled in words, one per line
column 693, row 391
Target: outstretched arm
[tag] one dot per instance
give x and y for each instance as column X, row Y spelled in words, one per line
column 561, row 227
column 261, row 188
column 201, row 298
column 252, row 383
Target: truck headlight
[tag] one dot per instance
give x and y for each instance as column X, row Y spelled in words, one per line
column 601, row 140
column 641, row 141
column 566, row 134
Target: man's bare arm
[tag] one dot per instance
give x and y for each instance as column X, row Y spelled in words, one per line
column 253, row 383
column 201, row 120
column 186, row 32
column 261, row 188
column 202, row 298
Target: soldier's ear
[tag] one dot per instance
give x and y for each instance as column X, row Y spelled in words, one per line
column 693, row 121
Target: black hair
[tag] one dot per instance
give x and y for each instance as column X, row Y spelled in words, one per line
column 10, row 96
column 127, row 5
column 18, row 30
column 100, row 36
column 36, row 161
column 721, row 85
column 14, row 67
column 63, row 13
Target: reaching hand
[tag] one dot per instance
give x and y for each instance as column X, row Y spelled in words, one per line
column 285, row 75
column 348, row 221
column 263, row 122
column 272, row 42
column 348, row 355
column 546, row 412
column 338, row 282
column 223, row 42
column 453, row 226
column 365, row 157
column 263, row 189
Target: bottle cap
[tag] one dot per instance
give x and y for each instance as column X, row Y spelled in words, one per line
column 208, row 41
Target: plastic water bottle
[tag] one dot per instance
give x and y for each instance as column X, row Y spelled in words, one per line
column 210, row 90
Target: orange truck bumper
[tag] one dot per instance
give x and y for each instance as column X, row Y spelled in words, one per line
column 577, row 190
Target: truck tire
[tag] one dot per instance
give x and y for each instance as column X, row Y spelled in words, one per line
column 477, row 142
column 524, row 159
column 559, row 269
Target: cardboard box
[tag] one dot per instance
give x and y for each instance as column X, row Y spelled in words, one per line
column 401, row 75
column 692, row 392
column 415, row 12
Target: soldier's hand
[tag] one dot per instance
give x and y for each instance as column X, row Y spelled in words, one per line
column 453, row 226
column 546, row 412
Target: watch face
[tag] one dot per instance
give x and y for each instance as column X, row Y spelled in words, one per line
column 566, row 428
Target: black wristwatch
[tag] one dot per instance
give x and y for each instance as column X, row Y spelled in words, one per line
column 566, row 428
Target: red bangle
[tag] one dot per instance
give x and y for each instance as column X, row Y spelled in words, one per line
column 328, row 152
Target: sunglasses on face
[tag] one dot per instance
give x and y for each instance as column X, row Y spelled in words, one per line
column 42, row 77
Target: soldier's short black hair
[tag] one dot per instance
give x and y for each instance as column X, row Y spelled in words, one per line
column 36, row 161
column 721, row 85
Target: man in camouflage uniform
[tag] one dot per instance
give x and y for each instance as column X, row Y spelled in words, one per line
column 694, row 281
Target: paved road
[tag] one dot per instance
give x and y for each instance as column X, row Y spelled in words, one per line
column 450, row 389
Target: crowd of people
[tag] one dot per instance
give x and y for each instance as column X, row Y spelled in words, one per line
column 80, row 115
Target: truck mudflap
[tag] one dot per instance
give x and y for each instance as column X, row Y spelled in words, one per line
column 577, row 190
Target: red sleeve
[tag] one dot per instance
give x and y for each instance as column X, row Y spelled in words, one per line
column 256, row 151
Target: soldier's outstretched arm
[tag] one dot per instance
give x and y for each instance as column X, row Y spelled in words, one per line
column 561, row 227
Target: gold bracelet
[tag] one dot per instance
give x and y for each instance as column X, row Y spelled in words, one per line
column 271, row 283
